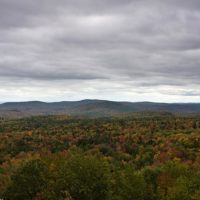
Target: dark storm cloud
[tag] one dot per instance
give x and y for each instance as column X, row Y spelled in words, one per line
column 130, row 43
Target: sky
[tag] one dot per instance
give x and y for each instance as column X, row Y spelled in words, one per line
column 121, row 50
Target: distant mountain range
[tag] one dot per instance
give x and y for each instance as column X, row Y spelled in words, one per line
column 93, row 108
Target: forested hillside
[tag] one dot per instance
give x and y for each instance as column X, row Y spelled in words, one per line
column 93, row 108
column 153, row 157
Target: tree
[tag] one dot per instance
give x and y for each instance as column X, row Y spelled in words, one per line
column 130, row 185
column 84, row 177
column 179, row 190
column 28, row 181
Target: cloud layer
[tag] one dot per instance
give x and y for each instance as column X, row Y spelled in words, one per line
column 132, row 50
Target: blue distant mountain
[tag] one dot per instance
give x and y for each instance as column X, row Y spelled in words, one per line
column 98, row 108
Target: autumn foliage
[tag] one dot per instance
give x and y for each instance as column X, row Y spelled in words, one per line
column 140, row 158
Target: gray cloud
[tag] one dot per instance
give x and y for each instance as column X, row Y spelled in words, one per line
column 134, row 47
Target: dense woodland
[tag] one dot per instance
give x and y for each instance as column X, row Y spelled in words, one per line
column 149, row 157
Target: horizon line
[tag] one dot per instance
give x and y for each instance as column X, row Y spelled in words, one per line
column 156, row 102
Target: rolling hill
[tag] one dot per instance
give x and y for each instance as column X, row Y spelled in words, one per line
column 93, row 108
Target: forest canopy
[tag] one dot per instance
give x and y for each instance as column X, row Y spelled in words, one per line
column 141, row 158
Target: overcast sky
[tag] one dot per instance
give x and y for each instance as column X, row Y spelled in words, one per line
column 132, row 50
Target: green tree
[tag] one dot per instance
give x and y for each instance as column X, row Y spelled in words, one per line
column 28, row 181
column 179, row 191
column 84, row 177
column 130, row 185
